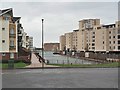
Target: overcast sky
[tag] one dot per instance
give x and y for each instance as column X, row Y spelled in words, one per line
column 60, row 17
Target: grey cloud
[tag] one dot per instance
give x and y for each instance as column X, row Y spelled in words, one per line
column 59, row 17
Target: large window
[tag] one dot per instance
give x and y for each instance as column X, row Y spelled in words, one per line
column 118, row 42
column 11, row 55
column 118, row 36
column 118, row 47
column 3, row 29
column 12, row 31
column 3, row 41
column 11, row 43
column 93, row 44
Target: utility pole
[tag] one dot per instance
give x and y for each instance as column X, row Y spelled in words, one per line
column 42, row 45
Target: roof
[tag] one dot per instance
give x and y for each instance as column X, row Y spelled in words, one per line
column 76, row 30
column 10, row 11
column 16, row 19
column 110, row 25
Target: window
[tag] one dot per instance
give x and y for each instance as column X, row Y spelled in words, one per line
column 110, row 42
column 93, row 36
column 114, row 47
column 109, row 32
column 118, row 42
column 11, row 43
column 113, row 36
column 118, row 36
column 110, row 47
column 3, row 41
column 93, row 47
column 114, row 42
column 3, row 29
column 118, row 47
column 12, row 31
column 103, row 42
column 93, row 32
column 93, row 44
column 93, row 40
column 109, row 37
column 11, row 55
column 6, row 18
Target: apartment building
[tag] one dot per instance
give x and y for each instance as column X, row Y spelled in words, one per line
column 62, row 43
column 75, row 40
column 68, row 39
column 8, row 34
column 31, row 43
column 52, row 47
column 95, row 37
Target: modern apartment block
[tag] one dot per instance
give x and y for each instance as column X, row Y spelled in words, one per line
column 31, row 43
column 12, row 36
column 93, row 36
column 69, row 42
column 62, row 43
column 8, row 34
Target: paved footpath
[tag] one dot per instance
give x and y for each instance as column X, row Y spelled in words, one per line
column 35, row 62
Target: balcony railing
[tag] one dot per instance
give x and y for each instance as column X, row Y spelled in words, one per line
column 12, row 47
column 12, row 35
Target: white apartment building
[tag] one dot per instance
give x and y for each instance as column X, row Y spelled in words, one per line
column 8, row 34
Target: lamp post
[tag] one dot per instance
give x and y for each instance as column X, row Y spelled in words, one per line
column 42, row 45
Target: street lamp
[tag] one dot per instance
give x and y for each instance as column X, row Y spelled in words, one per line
column 42, row 46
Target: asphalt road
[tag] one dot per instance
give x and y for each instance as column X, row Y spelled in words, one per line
column 61, row 78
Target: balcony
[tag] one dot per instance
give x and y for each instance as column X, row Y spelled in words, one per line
column 12, row 35
column 12, row 47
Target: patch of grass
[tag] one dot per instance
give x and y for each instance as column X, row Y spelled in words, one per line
column 16, row 65
column 105, row 65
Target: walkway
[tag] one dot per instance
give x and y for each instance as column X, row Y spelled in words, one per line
column 35, row 62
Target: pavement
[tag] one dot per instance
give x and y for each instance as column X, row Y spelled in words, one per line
column 61, row 78
column 36, row 64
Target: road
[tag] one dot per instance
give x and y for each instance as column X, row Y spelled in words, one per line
column 61, row 78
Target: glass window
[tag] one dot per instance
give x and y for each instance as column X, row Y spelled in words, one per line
column 11, row 55
column 109, row 32
column 3, row 28
column 118, row 36
column 110, row 42
column 113, row 36
column 93, row 36
column 114, row 42
column 118, row 47
column 11, row 43
column 114, row 47
column 93, row 44
column 118, row 42
column 12, row 31
column 103, row 42
column 3, row 41
column 109, row 37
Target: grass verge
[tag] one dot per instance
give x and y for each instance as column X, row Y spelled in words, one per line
column 105, row 65
column 16, row 65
